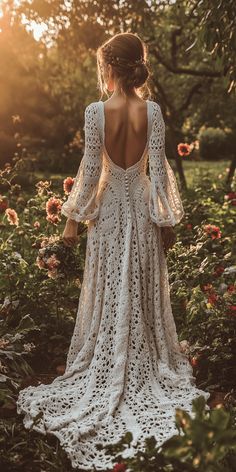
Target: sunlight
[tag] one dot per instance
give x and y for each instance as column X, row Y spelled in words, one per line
column 37, row 29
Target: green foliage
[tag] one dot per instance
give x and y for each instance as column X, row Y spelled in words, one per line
column 14, row 353
column 64, row 161
column 206, row 443
column 38, row 299
column 27, row 451
column 202, row 279
column 214, row 143
column 218, row 34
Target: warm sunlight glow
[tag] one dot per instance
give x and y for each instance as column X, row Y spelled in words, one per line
column 38, row 29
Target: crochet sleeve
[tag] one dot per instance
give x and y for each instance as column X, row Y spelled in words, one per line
column 165, row 205
column 82, row 203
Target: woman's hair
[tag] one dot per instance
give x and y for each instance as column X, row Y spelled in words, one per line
column 127, row 54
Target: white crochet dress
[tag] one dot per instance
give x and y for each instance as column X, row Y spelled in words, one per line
column 125, row 370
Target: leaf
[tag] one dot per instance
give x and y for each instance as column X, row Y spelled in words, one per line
column 128, row 437
column 191, row 45
column 37, row 418
column 199, row 404
column 26, row 324
column 220, row 418
column 151, row 442
column 174, row 442
column 182, row 418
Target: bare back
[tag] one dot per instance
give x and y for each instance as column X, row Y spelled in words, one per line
column 125, row 130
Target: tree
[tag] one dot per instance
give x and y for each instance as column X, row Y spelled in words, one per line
column 218, row 35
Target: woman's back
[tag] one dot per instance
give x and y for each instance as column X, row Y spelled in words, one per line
column 125, row 130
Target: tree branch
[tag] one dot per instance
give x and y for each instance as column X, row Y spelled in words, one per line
column 184, row 70
column 166, row 101
column 196, row 87
column 174, row 46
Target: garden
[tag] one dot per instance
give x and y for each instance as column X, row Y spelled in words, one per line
column 41, row 145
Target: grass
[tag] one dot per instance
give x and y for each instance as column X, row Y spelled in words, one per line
column 192, row 169
column 211, row 169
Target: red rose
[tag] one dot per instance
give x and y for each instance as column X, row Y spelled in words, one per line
column 183, row 149
column 53, row 206
column 212, row 299
column 213, row 231
column 194, row 361
column 207, row 288
column 231, row 195
column 68, row 184
column 231, row 288
column 119, row 467
column 218, row 270
column 3, row 204
column 231, row 311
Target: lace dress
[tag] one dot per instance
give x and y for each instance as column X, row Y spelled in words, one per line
column 125, row 370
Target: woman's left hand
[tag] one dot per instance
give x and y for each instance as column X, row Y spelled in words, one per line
column 168, row 237
column 70, row 236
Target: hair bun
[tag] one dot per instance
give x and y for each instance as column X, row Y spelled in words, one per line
column 140, row 74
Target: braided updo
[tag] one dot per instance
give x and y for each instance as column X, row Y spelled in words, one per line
column 126, row 53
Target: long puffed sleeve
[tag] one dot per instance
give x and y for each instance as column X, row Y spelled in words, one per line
column 82, row 203
column 165, row 205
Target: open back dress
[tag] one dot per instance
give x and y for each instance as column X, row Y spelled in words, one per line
column 125, row 370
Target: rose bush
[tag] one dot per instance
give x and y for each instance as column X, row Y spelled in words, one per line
column 202, row 267
column 40, row 281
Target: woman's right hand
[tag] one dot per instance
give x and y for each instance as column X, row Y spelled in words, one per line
column 168, row 237
column 70, row 237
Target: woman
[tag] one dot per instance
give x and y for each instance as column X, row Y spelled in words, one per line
column 125, row 370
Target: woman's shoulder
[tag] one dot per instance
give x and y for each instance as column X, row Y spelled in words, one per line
column 155, row 105
column 92, row 106
column 156, row 111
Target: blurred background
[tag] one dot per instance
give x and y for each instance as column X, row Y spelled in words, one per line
column 48, row 74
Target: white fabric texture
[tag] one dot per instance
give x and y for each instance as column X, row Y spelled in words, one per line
column 125, row 370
